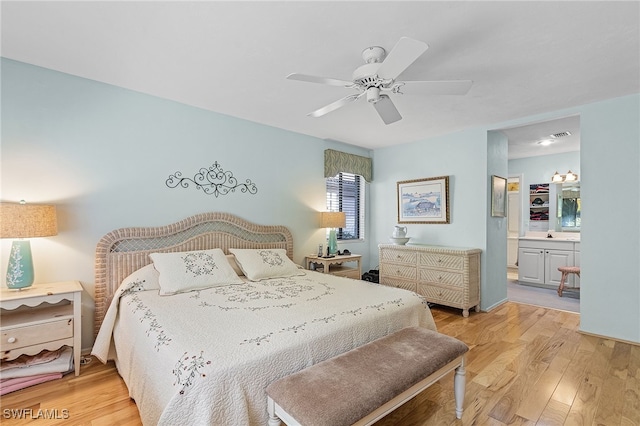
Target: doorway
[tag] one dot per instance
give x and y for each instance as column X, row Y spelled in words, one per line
column 535, row 151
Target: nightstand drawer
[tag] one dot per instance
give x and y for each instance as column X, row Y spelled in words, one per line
column 20, row 337
column 446, row 261
column 343, row 271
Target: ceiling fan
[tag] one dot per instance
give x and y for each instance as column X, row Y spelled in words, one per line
column 378, row 75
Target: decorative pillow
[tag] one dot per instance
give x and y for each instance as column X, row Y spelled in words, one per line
column 232, row 261
column 261, row 264
column 193, row 270
column 145, row 278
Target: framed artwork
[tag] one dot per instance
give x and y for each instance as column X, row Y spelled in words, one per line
column 498, row 196
column 424, row 200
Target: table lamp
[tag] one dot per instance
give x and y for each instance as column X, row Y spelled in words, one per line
column 333, row 220
column 22, row 220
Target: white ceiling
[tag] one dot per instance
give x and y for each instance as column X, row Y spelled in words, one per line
column 525, row 58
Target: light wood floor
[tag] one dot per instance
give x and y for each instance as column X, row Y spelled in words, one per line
column 527, row 366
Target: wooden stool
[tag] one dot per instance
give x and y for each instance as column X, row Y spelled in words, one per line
column 566, row 270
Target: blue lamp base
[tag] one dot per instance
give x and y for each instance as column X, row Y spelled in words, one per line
column 20, row 270
column 333, row 241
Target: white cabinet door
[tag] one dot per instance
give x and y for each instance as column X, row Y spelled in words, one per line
column 531, row 265
column 553, row 259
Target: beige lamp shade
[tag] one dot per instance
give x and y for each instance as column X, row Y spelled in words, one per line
column 22, row 220
column 333, row 220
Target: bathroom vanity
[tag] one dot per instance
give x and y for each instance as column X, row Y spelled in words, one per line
column 540, row 257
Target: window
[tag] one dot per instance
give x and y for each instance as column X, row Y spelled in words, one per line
column 345, row 193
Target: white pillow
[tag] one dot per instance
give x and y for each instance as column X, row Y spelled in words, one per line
column 193, row 270
column 145, row 278
column 261, row 264
column 232, row 261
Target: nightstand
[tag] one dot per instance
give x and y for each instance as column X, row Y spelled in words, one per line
column 335, row 265
column 43, row 316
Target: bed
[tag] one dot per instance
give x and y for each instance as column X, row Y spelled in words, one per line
column 205, row 354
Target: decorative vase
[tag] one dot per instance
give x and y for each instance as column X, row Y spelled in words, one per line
column 20, row 270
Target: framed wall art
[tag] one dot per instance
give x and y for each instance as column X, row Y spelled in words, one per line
column 424, row 200
column 498, row 196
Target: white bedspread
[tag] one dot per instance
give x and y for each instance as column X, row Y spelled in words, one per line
column 206, row 357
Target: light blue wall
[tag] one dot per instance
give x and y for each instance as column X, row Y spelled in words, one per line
column 609, row 174
column 463, row 157
column 610, row 231
column 102, row 155
column 494, row 285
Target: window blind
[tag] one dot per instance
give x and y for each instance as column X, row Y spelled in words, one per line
column 344, row 194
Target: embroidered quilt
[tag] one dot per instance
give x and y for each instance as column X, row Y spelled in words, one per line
column 205, row 357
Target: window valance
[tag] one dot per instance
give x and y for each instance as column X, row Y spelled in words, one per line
column 341, row 162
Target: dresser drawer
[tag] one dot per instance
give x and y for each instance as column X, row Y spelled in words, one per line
column 398, row 270
column 393, row 282
column 446, row 261
column 20, row 337
column 398, row 256
column 442, row 295
column 455, row 279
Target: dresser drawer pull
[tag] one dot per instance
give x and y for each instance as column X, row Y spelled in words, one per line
column 398, row 272
column 439, row 260
column 11, row 340
column 440, row 278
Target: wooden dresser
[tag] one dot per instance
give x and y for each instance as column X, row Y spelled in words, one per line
column 443, row 275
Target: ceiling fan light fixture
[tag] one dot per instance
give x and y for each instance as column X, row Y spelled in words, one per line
column 373, row 94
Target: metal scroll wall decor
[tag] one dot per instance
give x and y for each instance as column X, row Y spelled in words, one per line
column 213, row 181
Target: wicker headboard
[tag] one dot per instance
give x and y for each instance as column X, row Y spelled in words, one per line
column 125, row 250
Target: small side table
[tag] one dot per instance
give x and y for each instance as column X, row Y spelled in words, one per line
column 43, row 316
column 335, row 265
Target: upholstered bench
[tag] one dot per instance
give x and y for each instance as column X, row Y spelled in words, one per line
column 363, row 385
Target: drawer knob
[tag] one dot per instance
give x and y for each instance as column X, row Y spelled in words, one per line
column 439, row 260
column 440, row 278
column 11, row 340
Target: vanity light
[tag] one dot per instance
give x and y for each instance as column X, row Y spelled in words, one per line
column 569, row 177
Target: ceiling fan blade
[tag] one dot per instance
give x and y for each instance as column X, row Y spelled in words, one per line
column 335, row 105
column 444, row 87
column 403, row 54
column 387, row 110
column 320, row 80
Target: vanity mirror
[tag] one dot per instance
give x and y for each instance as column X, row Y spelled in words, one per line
column 569, row 207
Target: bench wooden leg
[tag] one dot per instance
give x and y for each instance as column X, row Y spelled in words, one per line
column 271, row 408
column 459, row 383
